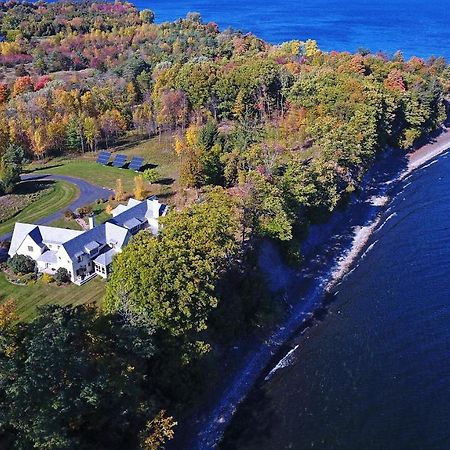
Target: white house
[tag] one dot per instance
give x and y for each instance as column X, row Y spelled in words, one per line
column 86, row 253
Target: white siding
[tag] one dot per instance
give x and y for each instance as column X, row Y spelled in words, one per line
column 29, row 248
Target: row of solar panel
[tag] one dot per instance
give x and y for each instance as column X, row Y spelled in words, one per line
column 120, row 161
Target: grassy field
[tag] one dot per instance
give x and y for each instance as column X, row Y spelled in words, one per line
column 158, row 152
column 59, row 198
column 28, row 298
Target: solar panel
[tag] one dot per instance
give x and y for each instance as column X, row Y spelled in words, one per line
column 103, row 157
column 136, row 163
column 120, row 161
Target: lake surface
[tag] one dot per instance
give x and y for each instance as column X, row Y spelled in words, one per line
column 417, row 27
column 375, row 373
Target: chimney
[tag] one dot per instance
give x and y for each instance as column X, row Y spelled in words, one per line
column 155, row 208
column 91, row 221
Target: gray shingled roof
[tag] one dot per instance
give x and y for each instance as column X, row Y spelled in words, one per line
column 103, row 234
column 105, row 259
column 48, row 257
column 131, row 223
column 91, row 246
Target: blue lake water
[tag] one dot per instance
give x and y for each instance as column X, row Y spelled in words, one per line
column 416, row 27
column 375, row 373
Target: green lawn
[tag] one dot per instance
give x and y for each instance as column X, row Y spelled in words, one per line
column 60, row 197
column 70, row 224
column 157, row 152
column 39, row 294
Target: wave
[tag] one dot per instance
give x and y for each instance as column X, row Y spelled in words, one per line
column 286, row 361
column 391, row 216
column 429, row 164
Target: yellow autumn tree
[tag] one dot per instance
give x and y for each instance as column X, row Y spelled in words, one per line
column 190, row 153
column 8, row 314
column 139, row 188
column 158, row 431
column 39, row 142
column 119, row 191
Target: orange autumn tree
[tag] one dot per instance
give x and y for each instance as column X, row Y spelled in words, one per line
column 21, row 85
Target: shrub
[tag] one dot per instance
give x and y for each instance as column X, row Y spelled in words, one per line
column 68, row 214
column 28, row 278
column 152, row 175
column 109, row 208
column 85, row 210
column 47, row 278
column 62, row 276
column 22, row 264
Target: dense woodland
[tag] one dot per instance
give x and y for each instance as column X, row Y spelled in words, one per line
column 270, row 138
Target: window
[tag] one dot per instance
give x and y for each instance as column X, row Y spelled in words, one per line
column 30, row 248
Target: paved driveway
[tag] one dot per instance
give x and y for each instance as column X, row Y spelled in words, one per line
column 88, row 194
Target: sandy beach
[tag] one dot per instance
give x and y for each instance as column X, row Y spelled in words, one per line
column 423, row 154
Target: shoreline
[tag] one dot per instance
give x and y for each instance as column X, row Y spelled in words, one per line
column 340, row 253
column 428, row 151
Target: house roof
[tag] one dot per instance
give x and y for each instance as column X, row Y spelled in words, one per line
column 21, row 231
column 53, row 235
column 105, row 259
column 40, row 235
column 91, row 246
column 142, row 211
column 48, row 257
column 132, row 202
column 105, row 233
column 131, row 223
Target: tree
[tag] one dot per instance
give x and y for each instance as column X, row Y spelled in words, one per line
column 3, row 92
column 147, row 16
column 112, row 125
column 172, row 109
column 21, row 85
column 265, row 209
column 73, row 139
column 8, row 314
column 169, row 281
column 62, row 276
column 190, row 153
column 91, row 132
column 119, row 193
column 79, row 376
column 10, row 168
column 139, row 188
column 158, row 431
column 21, row 264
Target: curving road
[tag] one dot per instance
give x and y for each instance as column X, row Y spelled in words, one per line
column 89, row 193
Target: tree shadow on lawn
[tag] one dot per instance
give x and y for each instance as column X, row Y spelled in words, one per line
column 166, row 181
column 148, row 166
column 28, row 187
column 39, row 169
